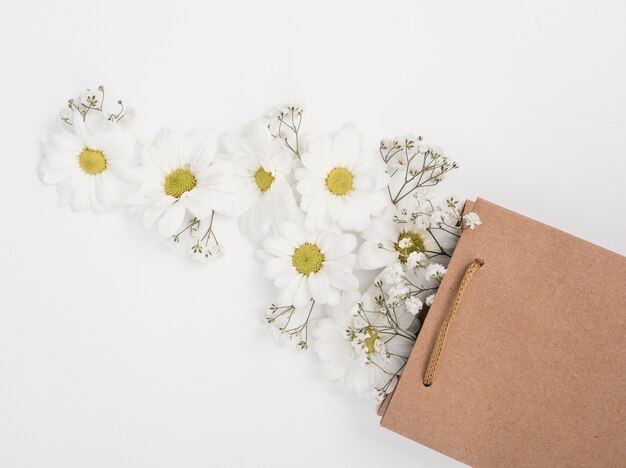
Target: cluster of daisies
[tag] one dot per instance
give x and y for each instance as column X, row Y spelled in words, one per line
column 322, row 208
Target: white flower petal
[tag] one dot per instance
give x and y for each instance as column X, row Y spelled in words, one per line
column 310, row 186
column 153, row 210
column 274, row 267
column 371, row 257
column 335, row 247
column 287, row 294
column 199, row 201
column 334, row 297
column 345, row 264
column 341, row 280
column 81, row 198
column 82, row 132
column 346, row 146
column 172, row 219
column 200, row 146
column 319, row 286
column 286, row 277
column 217, row 174
column 293, row 234
column 303, row 294
column 316, row 165
column 55, row 176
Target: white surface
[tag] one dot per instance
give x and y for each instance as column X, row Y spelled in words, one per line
column 117, row 352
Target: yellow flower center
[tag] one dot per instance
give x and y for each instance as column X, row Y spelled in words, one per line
column 371, row 340
column 92, row 161
column 409, row 242
column 307, row 259
column 340, row 181
column 263, row 179
column 179, row 181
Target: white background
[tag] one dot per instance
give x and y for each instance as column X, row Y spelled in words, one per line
column 117, row 352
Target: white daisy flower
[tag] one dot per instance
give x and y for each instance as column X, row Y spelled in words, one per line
column 361, row 351
column 307, row 265
column 387, row 242
column 92, row 163
column 342, row 181
column 181, row 172
column 264, row 164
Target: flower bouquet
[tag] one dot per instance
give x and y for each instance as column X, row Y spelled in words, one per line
column 351, row 234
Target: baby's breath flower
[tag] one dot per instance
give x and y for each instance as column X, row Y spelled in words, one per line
column 293, row 106
column 429, row 300
column 436, row 271
column 398, row 291
column 289, row 324
column 413, row 305
column 471, row 220
column 204, row 253
column 196, row 251
column 65, row 115
column 393, row 274
column 198, row 238
column 416, row 259
column 173, row 242
column 413, row 165
column 436, row 218
column 89, row 98
column 130, row 112
column 377, row 395
column 386, row 144
column 405, row 243
column 215, row 251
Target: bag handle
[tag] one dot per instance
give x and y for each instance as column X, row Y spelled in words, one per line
column 433, row 362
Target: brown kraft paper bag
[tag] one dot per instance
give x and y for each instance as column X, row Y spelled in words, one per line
column 532, row 371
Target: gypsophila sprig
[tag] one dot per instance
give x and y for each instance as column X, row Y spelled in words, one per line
column 199, row 239
column 413, row 165
column 284, row 124
column 290, row 325
column 91, row 101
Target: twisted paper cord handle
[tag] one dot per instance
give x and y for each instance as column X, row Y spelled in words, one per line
column 445, row 326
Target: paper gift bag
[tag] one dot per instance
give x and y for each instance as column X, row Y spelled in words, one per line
column 529, row 368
